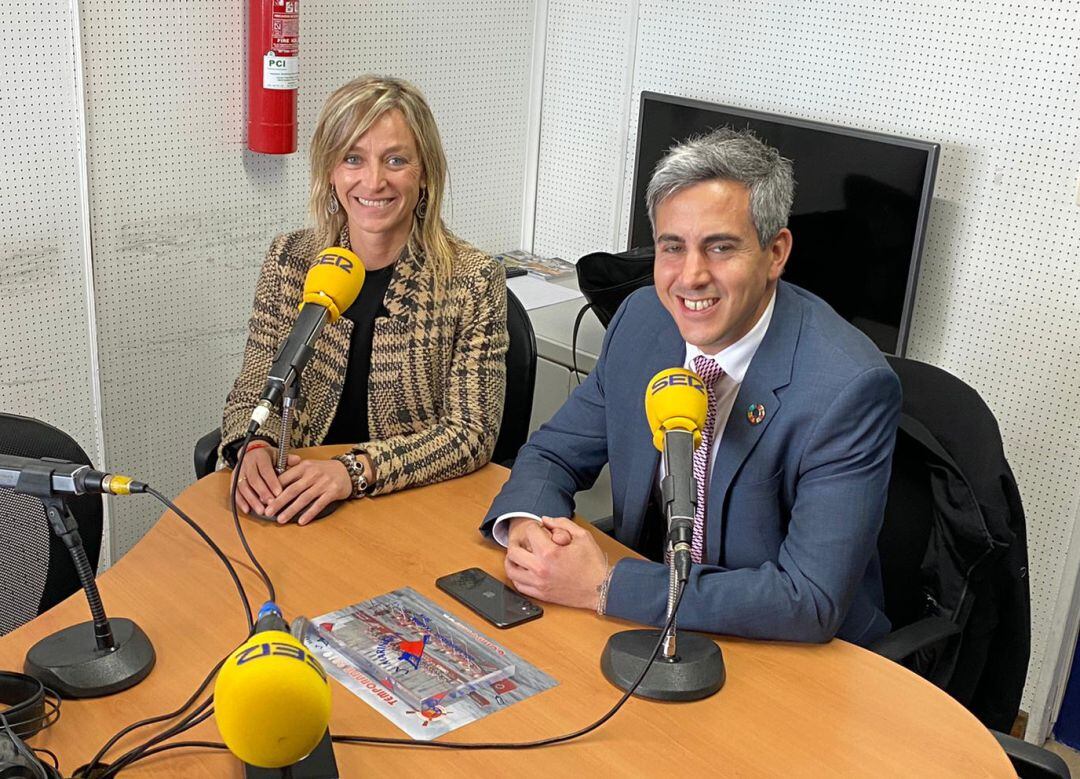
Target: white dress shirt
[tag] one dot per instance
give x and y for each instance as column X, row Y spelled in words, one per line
column 734, row 360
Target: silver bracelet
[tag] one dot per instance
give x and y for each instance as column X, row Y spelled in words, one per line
column 602, row 590
column 355, row 466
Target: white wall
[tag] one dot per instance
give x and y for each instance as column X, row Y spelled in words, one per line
column 46, row 354
column 994, row 83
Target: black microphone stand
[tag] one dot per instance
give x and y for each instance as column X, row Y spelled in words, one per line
column 320, row 764
column 93, row 658
column 691, row 666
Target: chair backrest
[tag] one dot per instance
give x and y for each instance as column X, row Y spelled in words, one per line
column 520, row 382
column 36, row 571
column 953, row 541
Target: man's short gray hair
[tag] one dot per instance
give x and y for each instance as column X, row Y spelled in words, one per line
column 729, row 155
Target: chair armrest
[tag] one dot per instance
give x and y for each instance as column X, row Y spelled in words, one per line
column 1030, row 761
column 206, row 453
column 905, row 641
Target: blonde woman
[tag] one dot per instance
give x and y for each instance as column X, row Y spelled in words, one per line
column 412, row 376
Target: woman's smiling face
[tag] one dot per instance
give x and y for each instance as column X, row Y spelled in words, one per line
column 379, row 180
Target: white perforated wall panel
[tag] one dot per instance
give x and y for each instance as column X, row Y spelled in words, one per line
column 582, row 130
column 994, row 82
column 45, row 367
column 183, row 214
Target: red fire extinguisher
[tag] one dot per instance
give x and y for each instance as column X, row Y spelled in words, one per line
column 273, row 75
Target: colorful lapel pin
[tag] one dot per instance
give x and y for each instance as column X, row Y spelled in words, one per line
column 755, row 414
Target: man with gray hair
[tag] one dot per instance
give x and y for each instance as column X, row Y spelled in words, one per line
column 797, row 446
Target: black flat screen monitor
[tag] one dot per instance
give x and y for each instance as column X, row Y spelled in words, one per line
column 860, row 210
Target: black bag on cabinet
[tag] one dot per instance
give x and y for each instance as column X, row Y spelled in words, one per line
column 606, row 279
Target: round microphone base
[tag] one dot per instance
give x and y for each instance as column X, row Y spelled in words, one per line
column 70, row 663
column 696, row 671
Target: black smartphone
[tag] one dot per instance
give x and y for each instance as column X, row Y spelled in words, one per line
column 489, row 597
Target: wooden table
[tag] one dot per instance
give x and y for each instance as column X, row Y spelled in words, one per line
column 786, row 710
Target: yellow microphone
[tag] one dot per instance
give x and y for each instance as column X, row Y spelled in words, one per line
column 272, row 697
column 332, row 284
column 676, row 400
column 676, row 403
column 334, row 281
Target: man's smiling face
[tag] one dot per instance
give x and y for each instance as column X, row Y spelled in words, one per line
column 711, row 274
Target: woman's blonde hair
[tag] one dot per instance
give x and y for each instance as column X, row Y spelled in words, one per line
column 349, row 112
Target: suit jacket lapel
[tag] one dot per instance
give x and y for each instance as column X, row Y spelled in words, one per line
column 403, row 293
column 667, row 350
column 769, row 370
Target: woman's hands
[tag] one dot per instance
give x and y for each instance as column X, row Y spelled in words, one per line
column 257, row 480
column 301, row 492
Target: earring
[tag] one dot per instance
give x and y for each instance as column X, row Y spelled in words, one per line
column 421, row 205
column 332, row 204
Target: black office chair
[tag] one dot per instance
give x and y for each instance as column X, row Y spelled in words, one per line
column 520, row 382
column 36, row 571
column 953, row 548
column 517, row 405
column 954, row 557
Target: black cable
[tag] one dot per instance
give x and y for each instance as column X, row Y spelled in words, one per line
column 526, row 744
column 52, row 706
column 200, row 714
column 51, row 754
column 217, row 550
column 573, row 340
column 177, row 745
column 239, row 528
column 89, row 768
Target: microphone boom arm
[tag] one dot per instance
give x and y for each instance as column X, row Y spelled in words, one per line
column 289, row 362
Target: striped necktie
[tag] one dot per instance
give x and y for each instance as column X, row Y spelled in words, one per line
column 710, row 373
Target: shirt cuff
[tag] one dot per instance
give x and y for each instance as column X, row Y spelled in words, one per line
column 500, row 531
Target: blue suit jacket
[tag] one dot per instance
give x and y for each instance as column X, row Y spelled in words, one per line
column 795, row 502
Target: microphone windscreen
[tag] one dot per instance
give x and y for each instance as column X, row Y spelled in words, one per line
column 271, row 701
column 676, row 400
column 334, row 280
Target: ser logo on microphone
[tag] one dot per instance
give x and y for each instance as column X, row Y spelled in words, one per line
column 279, row 649
column 336, row 260
column 677, row 380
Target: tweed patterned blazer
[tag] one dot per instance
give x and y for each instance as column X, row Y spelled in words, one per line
column 438, row 371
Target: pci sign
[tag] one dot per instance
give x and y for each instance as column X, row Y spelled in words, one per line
column 280, row 72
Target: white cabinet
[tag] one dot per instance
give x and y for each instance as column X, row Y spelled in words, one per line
column 554, row 383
